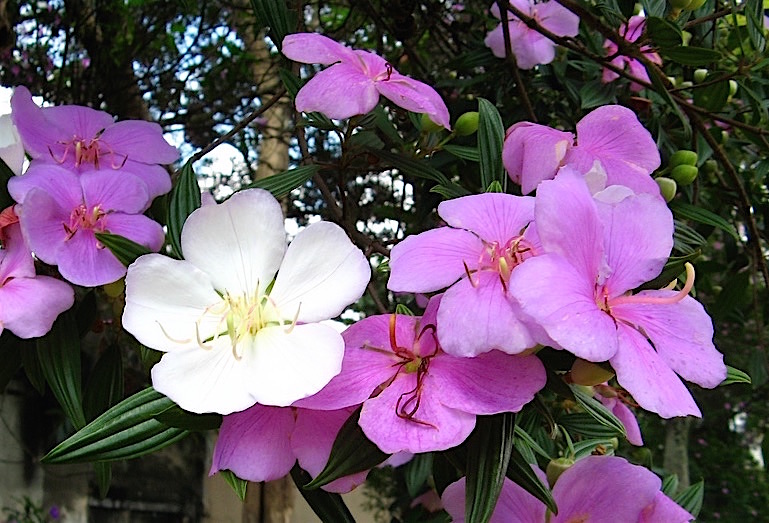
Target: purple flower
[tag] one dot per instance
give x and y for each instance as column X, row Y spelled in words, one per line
column 488, row 236
column 82, row 139
column 596, row 252
column 614, row 400
column 610, row 136
column 262, row 443
column 61, row 212
column 423, row 399
column 599, row 489
column 29, row 304
column 355, row 79
column 630, row 32
column 530, row 47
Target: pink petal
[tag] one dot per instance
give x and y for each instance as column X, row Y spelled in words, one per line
column 644, row 374
column 155, row 176
column 533, row 152
column 533, row 49
column 682, row 333
column 53, row 179
column 603, row 489
column 562, row 301
column 113, row 191
column 339, row 92
column 255, row 444
column 664, row 509
column 368, row 362
column 83, row 261
column 441, row 427
column 415, row 96
column 29, row 306
column 15, row 257
column 477, row 317
column 312, row 440
column 626, row 416
column 136, row 227
column 515, row 505
column 139, row 141
column 488, row 383
column 433, row 260
column 633, row 29
column 495, row 40
column 557, row 19
column 42, row 220
column 492, row 216
column 313, row 48
column 637, row 249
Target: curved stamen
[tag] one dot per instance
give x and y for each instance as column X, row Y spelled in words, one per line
column 658, row 300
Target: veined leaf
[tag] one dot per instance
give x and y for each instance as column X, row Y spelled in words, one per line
column 464, row 152
column 491, row 134
column 328, row 506
column 700, row 215
column 692, row 56
column 735, row 376
column 124, row 249
column 181, row 419
column 238, row 485
column 417, row 471
column 105, row 385
column 284, row 182
column 185, row 198
column 520, row 472
column 127, row 430
column 275, row 15
column 691, row 498
column 598, row 412
column 414, row 167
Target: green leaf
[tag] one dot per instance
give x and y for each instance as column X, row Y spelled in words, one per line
column 238, row 485
column 105, row 386
column 700, row 215
column 691, row 498
column 598, row 412
column 181, row 419
column 5, row 174
column 587, row 446
column 124, row 249
column 59, row 356
column 450, row 190
column 754, row 14
column 524, row 436
column 352, row 452
column 284, row 182
column 31, row 364
column 735, row 376
column 584, row 424
column 328, row 506
column 659, row 87
column 275, row 15
column 712, row 97
column 663, row 33
column 596, row 93
column 670, row 485
column 103, row 476
column 412, row 166
column 491, row 134
column 489, row 449
column 464, row 152
column 691, row 56
column 402, row 309
column 416, row 472
column 520, row 472
column 185, row 198
column 495, row 186
column 291, row 82
column 127, row 430
column 672, row 269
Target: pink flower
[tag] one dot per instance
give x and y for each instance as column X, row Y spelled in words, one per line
column 423, row 399
column 596, row 252
column 355, row 79
column 599, row 489
column 613, row 400
column 610, row 136
column 488, row 236
column 29, row 304
column 262, row 443
column 61, row 212
column 530, row 47
column 82, row 139
column 630, row 32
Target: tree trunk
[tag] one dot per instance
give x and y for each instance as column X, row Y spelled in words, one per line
column 676, row 456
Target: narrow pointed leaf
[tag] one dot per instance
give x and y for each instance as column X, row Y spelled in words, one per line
column 462, row 151
column 352, row 452
column 491, row 134
column 598, row 412
column 275, row 15
column 524, row 436
column 105, row 386
column 521, row 473
column 59, row 356
column 181, row 419
column 670, row 485
column 691, row 498
column 416, row 473
column 239, row 486
column 489, row 450
column 692, row 56
column 126, row 430
column 700, row 215
column 185, row 198
column 735, row 376
column 124, row 249
column 103, row 475
column 412, row 166
column 284, row 182
column 328, row 506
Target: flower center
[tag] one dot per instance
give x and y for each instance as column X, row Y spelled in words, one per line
column 89, row 151
column 503, row 258
column 84, row 218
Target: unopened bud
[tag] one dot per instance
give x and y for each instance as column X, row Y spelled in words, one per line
column 557, row 467
column 732, row 87
column 586, row 373
column 668, row 187
column 114, row 289
column 466, row 124
column 429, row 126
column 684, row 174
column 700, row 75
column 695, row 4
column 683, row 157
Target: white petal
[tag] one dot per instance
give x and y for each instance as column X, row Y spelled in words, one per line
column 205, row 380
column 322, row 273
column 285, row 367
column 165, row 301
column 238, row 243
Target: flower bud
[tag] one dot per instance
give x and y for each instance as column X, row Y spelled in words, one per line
column 557, row 467
column 684, row 174
column 466, row 124
column 429, row 126
column 683, row 157
column 679, row 4
column 586, row 373
column 668, row 187
column 695, row 4
column 732, row 87
column 700, row 75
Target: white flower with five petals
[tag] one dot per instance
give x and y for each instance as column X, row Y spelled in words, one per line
column 238, row 317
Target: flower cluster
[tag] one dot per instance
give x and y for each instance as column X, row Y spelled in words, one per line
column 87, row 175
column 631, row 31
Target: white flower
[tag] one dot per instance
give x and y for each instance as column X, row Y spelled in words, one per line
column 11, row 149
column 234, row 333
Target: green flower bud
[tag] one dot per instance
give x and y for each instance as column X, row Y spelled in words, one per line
column 683, row 157
column 429, row 126
column 668, row 187
column 557, row 467
column 710, row 166
column 684, row 174
column 695, row 4
column 586, row 373
column 466, row 124
column 732, row 87
column 700, row 75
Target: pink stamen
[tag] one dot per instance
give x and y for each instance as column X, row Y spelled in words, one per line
column 657, row 300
